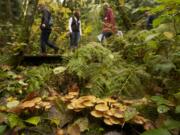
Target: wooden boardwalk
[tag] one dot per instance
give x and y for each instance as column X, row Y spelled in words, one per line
column 40, row 59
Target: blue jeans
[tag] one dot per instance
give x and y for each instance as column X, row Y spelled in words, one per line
column 74, row 39
column 45, row 40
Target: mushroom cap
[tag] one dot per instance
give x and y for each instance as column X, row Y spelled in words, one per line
column 69, row 97
column 27, row 104
column 77, row 104
column 97, row 114
column 106, row 116
column 73, row 93
column 88, row 104
column 115, row 120
column 52, row 98
column 101, row 107
column 70, row 106
column 100, row 101
column 109, row 112
column 118, row 113
column 31, row 103
column 36, row 100
column 108, row 121
column 77, row 110
column 88, row 98
column 110, row 100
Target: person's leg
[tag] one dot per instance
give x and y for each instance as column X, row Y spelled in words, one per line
column 72, row 39
column 76, row 39
column 49, row 43
column 43, row 42
column 108, row 34
column 103, row 36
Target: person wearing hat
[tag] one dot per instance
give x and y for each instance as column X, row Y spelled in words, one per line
column 75, row 29
column 108, row 22
column 46, row 24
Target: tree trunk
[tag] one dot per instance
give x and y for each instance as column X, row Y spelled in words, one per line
column 125, row 18
column 28, row 20
column 9, row 10
column 64, row 3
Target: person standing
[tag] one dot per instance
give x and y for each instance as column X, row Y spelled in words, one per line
column 46, row 24
column 150, row 19
column 75, row 29
column 109, row 26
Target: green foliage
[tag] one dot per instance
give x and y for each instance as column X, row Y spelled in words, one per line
column 2, row 129
column 130, row 113
column 142, row 63
column 36, row 77
column 107, row 73
column 159, row 131
column 160, row 100
column 15, row 121
column 177, row 109
column 34, row 120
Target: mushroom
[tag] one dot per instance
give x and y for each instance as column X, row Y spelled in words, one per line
column 114, row 120
column 88, row 98
column 117, row 113
column 108, row 122
column 101, row 107
column 73, row 93
column 88, row 104
column 97, row 114
column 70, row 106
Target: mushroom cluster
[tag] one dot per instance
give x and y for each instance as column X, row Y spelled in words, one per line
column 110, row 110
column 70, row 96
column 80, row 103
column 35, row 103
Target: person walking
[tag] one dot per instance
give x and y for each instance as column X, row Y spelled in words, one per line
column 46, row 24
column 109, row 26
column 75, row 29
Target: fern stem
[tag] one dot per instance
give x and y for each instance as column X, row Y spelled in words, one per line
column 125, row 83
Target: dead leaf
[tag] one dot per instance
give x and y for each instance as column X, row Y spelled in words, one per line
column 169, row 35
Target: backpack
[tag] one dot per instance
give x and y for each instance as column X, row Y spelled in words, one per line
column 50, row 21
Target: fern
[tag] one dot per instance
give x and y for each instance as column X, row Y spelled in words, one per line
column 36, row 77
column 106, row 72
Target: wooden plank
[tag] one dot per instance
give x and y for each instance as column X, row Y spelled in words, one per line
column 41, row 59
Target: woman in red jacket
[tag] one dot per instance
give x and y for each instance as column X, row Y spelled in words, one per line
column 109, row 26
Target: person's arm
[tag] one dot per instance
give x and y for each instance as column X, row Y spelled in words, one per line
column 80, row 28
column 45, row 18
column 70, row 23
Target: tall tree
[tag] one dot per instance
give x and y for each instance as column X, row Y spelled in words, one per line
column 29, row 18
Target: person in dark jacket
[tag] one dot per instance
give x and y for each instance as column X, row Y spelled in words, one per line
column 46, row 23
column 150, row 19
column 75, row 29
